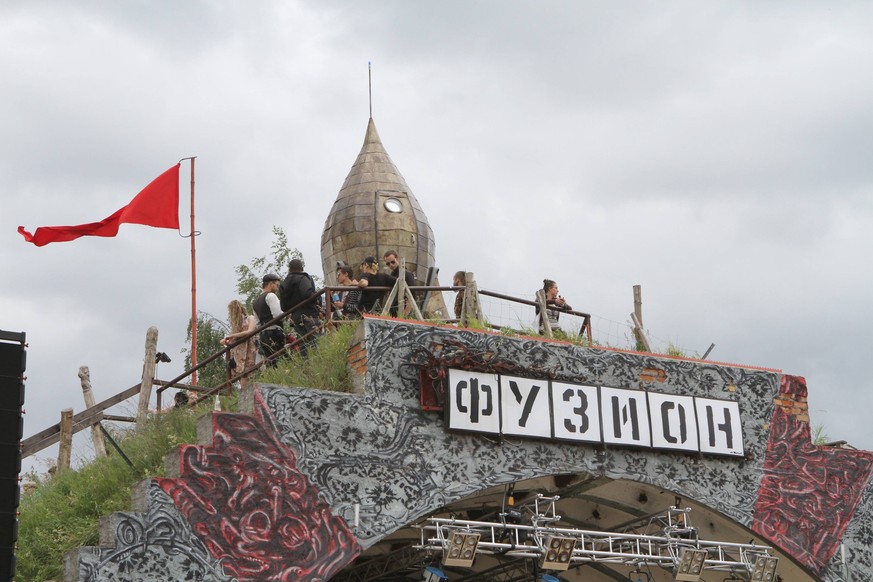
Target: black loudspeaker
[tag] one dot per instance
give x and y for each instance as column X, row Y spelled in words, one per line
column 13, row 361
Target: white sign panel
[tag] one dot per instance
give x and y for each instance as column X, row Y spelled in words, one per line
column 525, row 407
column 625, row 417
column 674, row 422
column 719, row 423
column 576, row 412
column 473, row 401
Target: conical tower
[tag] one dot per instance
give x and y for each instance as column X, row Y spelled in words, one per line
column 374, row 212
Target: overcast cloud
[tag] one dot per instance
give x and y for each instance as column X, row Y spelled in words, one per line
column 718, row 154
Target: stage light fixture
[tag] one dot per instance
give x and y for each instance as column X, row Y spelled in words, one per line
column 434, row 574
column 557, row 553
column 690, row 565
column 764, row 569
column 461, row 550
column 549, row 578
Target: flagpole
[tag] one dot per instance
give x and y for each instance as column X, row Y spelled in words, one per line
column 193, row 283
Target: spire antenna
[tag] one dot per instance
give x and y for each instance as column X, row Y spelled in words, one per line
column 370, row 83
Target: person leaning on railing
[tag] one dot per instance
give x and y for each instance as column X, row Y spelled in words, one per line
column 266, row 307
column 244, row 356
column 371, row 277
column 554, row 305
column 348, row 303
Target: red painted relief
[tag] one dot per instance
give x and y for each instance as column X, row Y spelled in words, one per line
column 247, row 501
column 808, row 494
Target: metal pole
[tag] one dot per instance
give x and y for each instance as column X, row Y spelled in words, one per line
column 193, row 284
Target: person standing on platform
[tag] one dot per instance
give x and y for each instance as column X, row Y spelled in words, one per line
column 555, row 304
column 242, row 357
column 297, row 287
column 266, row 308
column 392, row 261
column 371, row 277
column 349, row 301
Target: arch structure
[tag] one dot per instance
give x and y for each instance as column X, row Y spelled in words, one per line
column 319, row 485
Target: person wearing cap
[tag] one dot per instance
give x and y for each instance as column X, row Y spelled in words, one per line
column 371, row 277
column 266, row 307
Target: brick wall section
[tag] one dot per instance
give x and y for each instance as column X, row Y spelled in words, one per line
column 357, row 357
column 793, row 405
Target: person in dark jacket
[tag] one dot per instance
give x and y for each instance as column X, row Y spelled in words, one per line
column 371, row 300
column 297, row 287
column 392, row 261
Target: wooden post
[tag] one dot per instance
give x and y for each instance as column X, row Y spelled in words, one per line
column 148, row 372
column 402, row 289
column 638, row 303
column 401, row 292
column 471, row 308
column 544, row 317
column 66, row 449
column 640, row 333
column 467, row 302
column 96, row 435
column 637, row 319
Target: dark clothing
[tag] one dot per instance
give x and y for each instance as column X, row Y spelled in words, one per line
column 410, row 281
column 271, row 339
column 352, row 304
column 369, row 298
column 295, row 288
column 262, row 309
column 459, row 303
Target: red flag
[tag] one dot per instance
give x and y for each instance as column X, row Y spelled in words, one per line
column 157, row 205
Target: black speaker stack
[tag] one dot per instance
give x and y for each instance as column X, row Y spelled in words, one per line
column 13, row 360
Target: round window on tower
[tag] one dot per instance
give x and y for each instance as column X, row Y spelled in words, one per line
column 393, row 205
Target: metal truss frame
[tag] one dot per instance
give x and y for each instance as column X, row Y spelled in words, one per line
column 667, row 535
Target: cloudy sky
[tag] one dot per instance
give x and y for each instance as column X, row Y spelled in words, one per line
column 718, row 154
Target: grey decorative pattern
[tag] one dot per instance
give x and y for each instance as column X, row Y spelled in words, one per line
column 857, row 545
column 156, row 545
column 382, row 451
column 397, row 463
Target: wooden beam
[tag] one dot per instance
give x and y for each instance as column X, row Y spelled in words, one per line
column 85, row 419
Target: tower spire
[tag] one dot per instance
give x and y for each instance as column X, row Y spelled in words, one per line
column 370, row 84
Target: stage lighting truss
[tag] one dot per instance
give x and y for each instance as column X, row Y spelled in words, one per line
column 663, row 543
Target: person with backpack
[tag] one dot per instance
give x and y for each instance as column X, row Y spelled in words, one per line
column 297, row 287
